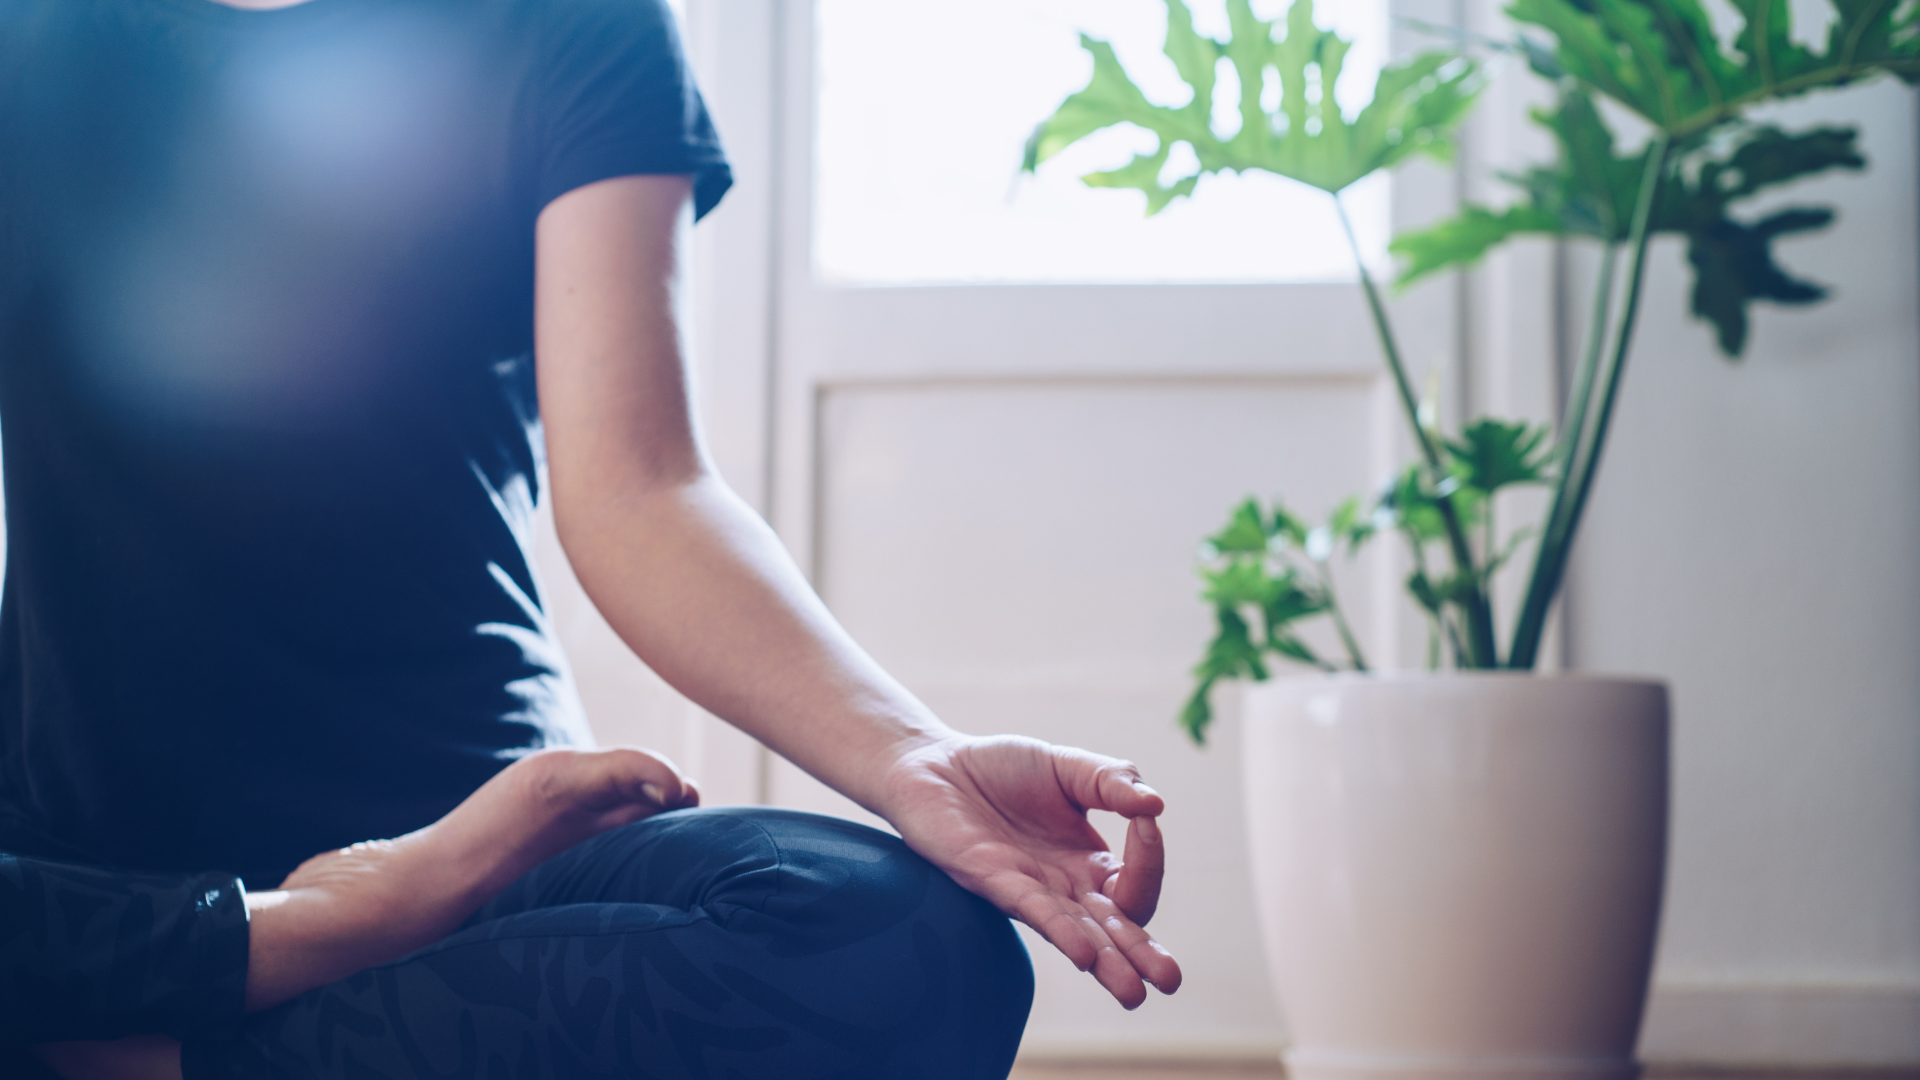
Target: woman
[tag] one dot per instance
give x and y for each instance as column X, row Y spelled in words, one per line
column 273, row 276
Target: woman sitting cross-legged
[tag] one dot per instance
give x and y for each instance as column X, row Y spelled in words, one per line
column 576, row 916
column 305, row 307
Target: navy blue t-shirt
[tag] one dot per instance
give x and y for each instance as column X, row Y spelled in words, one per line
column 271, row 444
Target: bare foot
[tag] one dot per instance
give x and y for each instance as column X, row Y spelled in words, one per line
column 344, row 911
column 347, row 910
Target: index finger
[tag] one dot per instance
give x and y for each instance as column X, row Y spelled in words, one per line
column 1098, row 782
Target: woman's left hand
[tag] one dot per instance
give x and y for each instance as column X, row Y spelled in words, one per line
column 1006, row 816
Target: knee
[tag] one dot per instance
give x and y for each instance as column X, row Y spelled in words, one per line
column 843, row 886
column 991, row 982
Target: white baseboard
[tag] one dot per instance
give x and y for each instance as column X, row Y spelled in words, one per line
column 1788, row 1024
column 1040, row 1048
column 1778, row 1025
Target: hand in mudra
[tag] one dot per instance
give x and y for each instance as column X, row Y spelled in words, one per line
column 1007, row 817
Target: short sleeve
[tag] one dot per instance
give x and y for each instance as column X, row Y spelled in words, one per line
column 615, row 97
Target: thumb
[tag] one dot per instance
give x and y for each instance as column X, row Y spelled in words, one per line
column 1135, row 888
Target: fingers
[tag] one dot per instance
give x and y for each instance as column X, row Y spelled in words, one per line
column 1135, row 888
column 1147, row 958
column 1099, row 939
column 1061, row 926
column 1074, row 931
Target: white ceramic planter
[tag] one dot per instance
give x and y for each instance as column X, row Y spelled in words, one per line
column 1458, row 875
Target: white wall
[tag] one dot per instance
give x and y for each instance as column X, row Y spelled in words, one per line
column 1755, row 538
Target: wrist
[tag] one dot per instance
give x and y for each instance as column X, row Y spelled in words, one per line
column 894, row 768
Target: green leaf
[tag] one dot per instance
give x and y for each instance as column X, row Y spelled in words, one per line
column 1591, row 189
column 1415, row 106
column 1420, row 587
column 1289, row 527
column 1350, row 525
column 1733, row 266
column 1290, row 602
column 1294, row 649
column 1232, row 654
column 1240, row 582
column 1495, row 454
column 1197, row 714
column 1733, row 261
column 1661, row 58
column 1434, row 596
column 1463, row 240
column 1453, row 589
column 1245, row 531
column 1410, row 504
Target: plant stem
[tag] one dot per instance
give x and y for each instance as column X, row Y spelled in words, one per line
column 1573, row 423
column 1435, row 629
column 1576, row 480
column 1489, row 548
column 1484, row 652
column 1453, row 635
column 1339, row 619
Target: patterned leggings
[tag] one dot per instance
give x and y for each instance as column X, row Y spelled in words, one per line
column 734, row 944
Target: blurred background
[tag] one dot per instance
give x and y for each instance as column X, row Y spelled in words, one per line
column 993, row 416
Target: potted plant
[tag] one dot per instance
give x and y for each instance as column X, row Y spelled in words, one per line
column 1460, row 869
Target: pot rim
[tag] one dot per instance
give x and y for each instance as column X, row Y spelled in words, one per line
column 1420, row 675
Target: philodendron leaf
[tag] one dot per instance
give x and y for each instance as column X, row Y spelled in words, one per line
column 1588, row 191
column 1289, row 527
column 1591, row 190
column 1465, row 239
column 1307, row 137
column 1239, row 582
column 1232, row 654
column 1294, row 649
column 1733, row 260
column 1733, row 266
column 1420, row 587
column 1245, row 532
column 1196, row 714
column 1350, row 525
column 1493, row 455
column 1411, row 506
column 1290, row 602
column 1662, row 59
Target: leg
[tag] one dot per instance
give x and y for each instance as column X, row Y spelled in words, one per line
column 741, row 943
column 96, row 954
column 90, row 953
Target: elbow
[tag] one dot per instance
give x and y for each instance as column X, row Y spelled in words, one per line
column 593, row 505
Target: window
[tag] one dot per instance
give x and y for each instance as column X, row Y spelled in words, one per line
column 923, row 109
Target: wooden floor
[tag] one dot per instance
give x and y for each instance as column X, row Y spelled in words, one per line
column 1265, row 1071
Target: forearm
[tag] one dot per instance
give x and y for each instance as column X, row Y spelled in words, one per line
column 703, row 591
column 686, row 573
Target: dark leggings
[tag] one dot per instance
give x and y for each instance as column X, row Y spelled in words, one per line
column 734, row 944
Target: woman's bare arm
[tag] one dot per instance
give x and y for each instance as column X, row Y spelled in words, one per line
column 704, row 592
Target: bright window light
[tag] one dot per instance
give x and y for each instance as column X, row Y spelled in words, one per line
column 923, row 110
